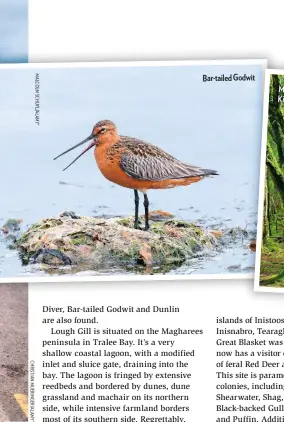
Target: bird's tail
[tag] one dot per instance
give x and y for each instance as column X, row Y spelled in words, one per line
column 208, row 172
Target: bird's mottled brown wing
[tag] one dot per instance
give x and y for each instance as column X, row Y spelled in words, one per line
column 144, row 161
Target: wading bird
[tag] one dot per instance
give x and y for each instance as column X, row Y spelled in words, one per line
column 136, row 164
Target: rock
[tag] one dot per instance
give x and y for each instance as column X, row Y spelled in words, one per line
column 238, row 232
column 236, row 267
column 252, row 245
column 5, row 229
column 11, row 231
column 159, row 215
column 146, row 255
column 91, row 243
column 70, row 214
column 11, row 225
column 50, row 257
column 217, row 233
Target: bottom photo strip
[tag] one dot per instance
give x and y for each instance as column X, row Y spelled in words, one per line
column 14, row 352
column 141, row 352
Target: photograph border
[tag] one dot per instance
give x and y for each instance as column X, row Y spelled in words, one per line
column 147, row 63
column 257, row 287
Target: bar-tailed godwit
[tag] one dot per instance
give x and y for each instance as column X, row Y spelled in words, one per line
column 136, row 164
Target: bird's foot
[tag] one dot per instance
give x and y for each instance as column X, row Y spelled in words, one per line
column 138, row 227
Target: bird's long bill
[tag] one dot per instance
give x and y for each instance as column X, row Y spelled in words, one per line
column 93, row 143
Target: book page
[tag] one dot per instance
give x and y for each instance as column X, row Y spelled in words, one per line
column 155, row 351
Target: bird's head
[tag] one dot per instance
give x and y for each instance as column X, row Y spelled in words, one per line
column 101, row 133
column 102, row 130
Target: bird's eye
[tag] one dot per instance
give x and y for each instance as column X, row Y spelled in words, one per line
column 103, row 129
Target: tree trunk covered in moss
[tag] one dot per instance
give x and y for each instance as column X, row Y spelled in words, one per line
column 266, row 232
column 276, row 117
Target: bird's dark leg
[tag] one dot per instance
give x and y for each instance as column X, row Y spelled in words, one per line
column 136, row 201
column 146, row 205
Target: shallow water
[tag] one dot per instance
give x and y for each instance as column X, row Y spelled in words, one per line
column 215, row 126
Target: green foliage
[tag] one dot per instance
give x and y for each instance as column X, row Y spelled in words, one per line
column 273, row 216
column 276, row 280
